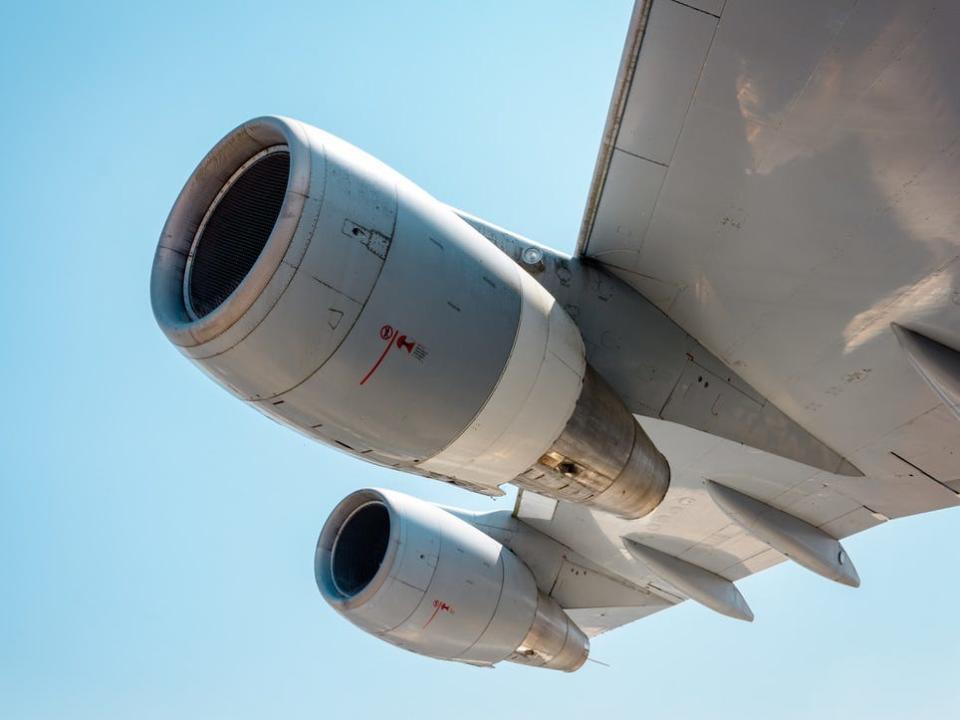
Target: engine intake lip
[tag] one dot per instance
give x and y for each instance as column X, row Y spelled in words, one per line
column 236, row 155
column 344, row 536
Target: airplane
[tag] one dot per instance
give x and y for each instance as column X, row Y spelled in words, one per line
column 753, row 354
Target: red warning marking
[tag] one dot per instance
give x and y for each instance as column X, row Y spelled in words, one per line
column 389, row 333
column 438, row 605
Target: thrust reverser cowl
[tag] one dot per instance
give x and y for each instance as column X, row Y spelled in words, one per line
column 337, row 297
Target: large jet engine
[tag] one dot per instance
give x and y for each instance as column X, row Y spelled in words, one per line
column 337, row 297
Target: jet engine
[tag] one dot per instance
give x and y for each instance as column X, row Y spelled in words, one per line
column 418, row 577
column 337, row 297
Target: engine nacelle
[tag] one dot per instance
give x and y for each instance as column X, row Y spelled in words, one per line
column 339, row 298
column 420, row 578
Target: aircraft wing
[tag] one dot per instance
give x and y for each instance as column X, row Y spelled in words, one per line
column 781, row 180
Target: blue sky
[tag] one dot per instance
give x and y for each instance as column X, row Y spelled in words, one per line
column 156, row 537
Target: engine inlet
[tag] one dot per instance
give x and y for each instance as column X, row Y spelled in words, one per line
column 234, row 227
column 235, row 230
column 360, row 548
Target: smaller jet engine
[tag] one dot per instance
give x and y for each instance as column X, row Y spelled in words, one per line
column 420, row 578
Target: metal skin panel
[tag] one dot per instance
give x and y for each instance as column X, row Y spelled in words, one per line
column 447, row 590
column 674, row 47
column 713, row 7
column 627, row 207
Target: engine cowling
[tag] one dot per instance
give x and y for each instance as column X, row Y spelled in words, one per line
column 337, row 297
column 422, row 579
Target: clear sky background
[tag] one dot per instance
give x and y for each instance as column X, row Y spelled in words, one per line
column 156, row 536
